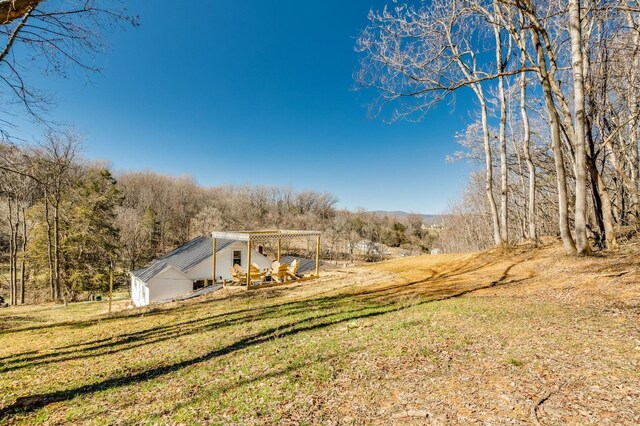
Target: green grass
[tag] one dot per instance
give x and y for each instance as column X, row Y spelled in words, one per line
column 209, row 354
column 279, row 357
column 516, row 362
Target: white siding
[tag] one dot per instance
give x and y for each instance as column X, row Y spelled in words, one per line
column 224, row 261
column 168, row 284
column 139, row 292
column 171, row 282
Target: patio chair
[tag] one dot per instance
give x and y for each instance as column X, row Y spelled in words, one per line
column 292, row 271
column 237, row 277
column 256, row 273
column 279, row 271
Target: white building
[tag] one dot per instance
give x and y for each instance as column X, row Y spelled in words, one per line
column 368, row 247
column 187, row 267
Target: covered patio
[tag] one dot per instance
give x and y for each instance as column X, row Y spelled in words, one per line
column 258, row 238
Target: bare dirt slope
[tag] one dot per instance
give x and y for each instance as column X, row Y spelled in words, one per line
column 503, row 337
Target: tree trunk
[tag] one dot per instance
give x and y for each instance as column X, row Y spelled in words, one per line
column 580, row 222
column 520, row 210
column 607, row 212
column 497, row 237
column 603, row 209
column 12, row 284
column 504, row 171
column 533, row 233
column 634, row 105
column 556, row 144
column 16, row 234
column 49, row 245
column 477, row 89
column 602, row 205
column 24, row 256
column 526, row 137
column 56, row 246
column 600, row 237
column 14, row 9
column 574, row 133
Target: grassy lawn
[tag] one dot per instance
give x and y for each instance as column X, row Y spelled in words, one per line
column 452, row 339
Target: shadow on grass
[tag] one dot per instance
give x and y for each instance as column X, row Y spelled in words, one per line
column 160, row 333
column 27, row 404
column 336, row 309
column 257, row 379
column 156, row 334
column 200, row 324
column 467, row 267
column 150, row 336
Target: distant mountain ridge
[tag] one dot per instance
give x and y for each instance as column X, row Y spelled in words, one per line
column 427, row 218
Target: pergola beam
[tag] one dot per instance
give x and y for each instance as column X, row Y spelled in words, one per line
column 260, row 237
column 266, row 236
column 239, row 236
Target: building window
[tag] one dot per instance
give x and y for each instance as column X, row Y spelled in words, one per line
column 237, row 257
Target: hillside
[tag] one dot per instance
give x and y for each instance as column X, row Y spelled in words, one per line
column 500, row 337
column 400, row 215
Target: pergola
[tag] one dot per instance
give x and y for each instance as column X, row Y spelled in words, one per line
column 261, row 237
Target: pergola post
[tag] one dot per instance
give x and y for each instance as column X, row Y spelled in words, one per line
column 279, row 249
column 317, row 256
column 214, row 260
column 249, row 264
column 267, row 236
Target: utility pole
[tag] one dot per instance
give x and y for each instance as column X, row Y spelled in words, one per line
column 110, row 283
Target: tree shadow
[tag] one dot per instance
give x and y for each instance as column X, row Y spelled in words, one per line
column 157, row 334
column 28, row 404
column 265, row 376
column 85, row 323
column 324, row 312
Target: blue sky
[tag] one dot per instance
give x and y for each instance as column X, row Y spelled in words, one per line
column 258, row 92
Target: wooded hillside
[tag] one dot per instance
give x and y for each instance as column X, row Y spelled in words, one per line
column 66, row 222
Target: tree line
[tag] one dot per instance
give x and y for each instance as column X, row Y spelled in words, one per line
column 556, row 127
column 66, row 223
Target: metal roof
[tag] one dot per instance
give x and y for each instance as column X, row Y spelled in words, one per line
column 306, row 265
column 184, row 257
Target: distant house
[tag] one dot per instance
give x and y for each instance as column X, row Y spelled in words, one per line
column 431, row 227
column 363, row 246
column 368, row 247
column 187, row 267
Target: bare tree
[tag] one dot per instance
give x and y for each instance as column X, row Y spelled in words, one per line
column 575, row 30
column 55, row 166
column 54, row 37
column 416, row 57
column 207, row 220
column 18, row 189
column 526, row 136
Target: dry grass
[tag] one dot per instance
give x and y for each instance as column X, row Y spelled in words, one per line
column 451, row 339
